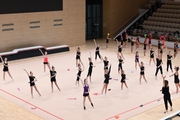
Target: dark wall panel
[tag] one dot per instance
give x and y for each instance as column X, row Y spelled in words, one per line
column 24, row 6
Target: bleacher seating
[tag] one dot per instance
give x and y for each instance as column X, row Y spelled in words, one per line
column 165, row 20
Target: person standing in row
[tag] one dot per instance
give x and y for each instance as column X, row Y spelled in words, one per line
column 6, row 68
column 78, row 57
column 80, row 70
column 125, row 38
column 136, row 59
column 176, row 79
column 169, row 61
column 106, row 81
column 120, row 60
column 167, row 95
column 119, row 49
column 86, row 93
column 151, row 56
column 97, row 52
column 158, row 66
column 32, row 81
column 106, row 63
column 142, row 72
column 123, row 80
column 45, row 62
column 90, row 68
column 53, row 78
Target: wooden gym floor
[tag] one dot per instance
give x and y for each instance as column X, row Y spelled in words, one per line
column 17, row 104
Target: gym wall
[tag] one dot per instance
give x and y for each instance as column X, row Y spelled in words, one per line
column 117, row 12
column 49, row 28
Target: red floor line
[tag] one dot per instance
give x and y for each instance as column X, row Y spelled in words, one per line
column 137, row 107
column 32, row 105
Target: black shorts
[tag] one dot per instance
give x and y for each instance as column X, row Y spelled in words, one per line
column 149, row 42
column 45, row 62
column 5, row 69
column 89, row 72
column 86, row 94
column 53, row 79
column 137, row 60
column 152, row 56
column 144, row 47
column 106, row 81
column 107, row 41
column 77, row 57
column 78, row 78
column 32, row 84
column 175, row 50
column 176, row 81
column 141, row 73
column 122, row 81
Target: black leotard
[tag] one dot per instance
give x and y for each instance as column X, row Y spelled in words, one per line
column 90, row 69
column 5, row 69
column 52, row 73
column 151, row 53
column 31, row 78
column 79, row 74
column 107, row 76
column 142, row 70
column 119, row 48
column 106, row 64
column 176, row 78
column 123, row 78
column 78, row 54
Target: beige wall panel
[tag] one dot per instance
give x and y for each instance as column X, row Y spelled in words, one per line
column 73, row 16
column 117, row 12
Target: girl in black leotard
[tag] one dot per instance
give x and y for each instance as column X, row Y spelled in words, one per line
column 151, row 56
column 106, row 63
column 176, row 79
column 6, row 68
column 90, row 68
column 120, row 63
column 142, row 72
column 123, row 80
column 80, row 70
column 167, row 95
column 97, row 52
column 53, row 78
column 106, row 81
column 32, row 82
column 158, row 67
column 78, row 56
column 119, row 49
column 169, row 61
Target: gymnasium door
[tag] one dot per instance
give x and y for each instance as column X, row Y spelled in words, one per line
column 93, row 19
